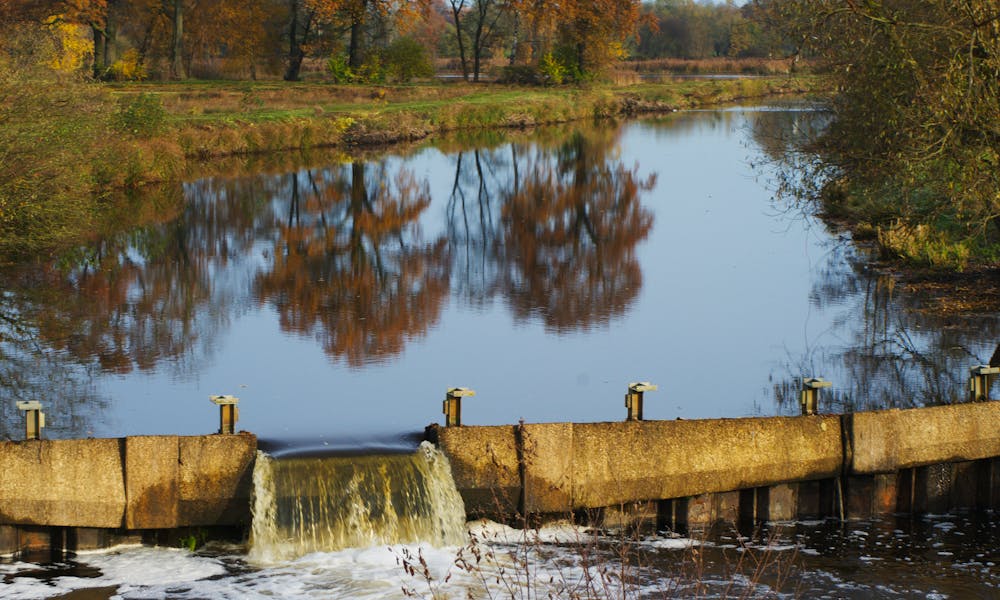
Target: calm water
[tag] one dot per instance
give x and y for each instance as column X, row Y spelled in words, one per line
column 546, row 270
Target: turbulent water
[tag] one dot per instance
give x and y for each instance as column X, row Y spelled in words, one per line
column 304, row 505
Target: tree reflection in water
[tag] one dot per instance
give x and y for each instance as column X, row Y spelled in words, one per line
column 888, row 347
column 348, row 264
column 555, row 233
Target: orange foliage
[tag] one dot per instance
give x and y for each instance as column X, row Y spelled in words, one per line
column 572, row 227
column 349, row 266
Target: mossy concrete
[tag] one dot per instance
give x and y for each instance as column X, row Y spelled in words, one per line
column 572, row 466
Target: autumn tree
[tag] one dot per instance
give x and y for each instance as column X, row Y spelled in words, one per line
column 481, row 22
column 912, row 150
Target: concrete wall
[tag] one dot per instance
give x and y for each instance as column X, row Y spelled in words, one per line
column 569, row 466
column 847, row 465
column 78, row 483
column 485, row 464
column 144, row 482
column 890, row 440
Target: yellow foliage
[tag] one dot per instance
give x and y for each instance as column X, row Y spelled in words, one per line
column 128, row 67
column 75, row 46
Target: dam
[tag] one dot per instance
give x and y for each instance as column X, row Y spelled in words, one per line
column 70, row 495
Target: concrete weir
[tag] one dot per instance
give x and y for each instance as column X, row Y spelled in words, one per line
column 66, row 495
column 76, row 494
column 689, row 472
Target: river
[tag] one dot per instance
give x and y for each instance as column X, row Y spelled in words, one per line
column 340, row 297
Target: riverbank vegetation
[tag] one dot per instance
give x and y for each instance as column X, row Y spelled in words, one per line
column 78, row 129
column 911, row 158
column 909, row 161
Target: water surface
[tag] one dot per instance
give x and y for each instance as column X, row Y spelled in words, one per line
column 545, row 270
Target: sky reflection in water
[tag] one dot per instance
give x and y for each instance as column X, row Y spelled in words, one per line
column 545, row 272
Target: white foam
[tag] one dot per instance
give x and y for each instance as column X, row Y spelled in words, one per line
column 131, row 569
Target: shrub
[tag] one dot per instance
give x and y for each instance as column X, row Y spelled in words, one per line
column 142, row 115
column 521, row 74
column 128, row 68
column 339, row 70
column 407, row 59
column 552, row 71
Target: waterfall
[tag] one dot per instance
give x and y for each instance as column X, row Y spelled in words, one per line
column 310, row 504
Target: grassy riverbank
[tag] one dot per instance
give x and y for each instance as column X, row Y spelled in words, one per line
column 71, row 147
column 227, row 119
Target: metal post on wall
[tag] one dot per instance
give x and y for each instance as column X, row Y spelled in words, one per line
column 229, row 413
column 980, row 380
column 809, row 399
column 633, row 398
column 34, row 418
column 452, row 406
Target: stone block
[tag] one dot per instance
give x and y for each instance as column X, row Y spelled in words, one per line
column 216, row 479
column 886, row 494
column 860, row 496
column 486, row 468
column 66, row 483
column 705, row 510
column 782, row 502
column 630, row 461
column 548, row 467
column 889, row 440
column 152, row 469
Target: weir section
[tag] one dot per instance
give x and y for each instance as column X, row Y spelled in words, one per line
column 66, row 495
column 699, row 471
column 77, row 494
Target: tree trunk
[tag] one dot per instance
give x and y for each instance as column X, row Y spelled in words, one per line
column 477, row 49
column 177, row 70
column 456, row 11
column 354, row 49
column 100, row 49
column 295, row 54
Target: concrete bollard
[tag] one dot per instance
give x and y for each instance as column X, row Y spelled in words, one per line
column 633, row 399
column 229, row 413
column 809, row 399
column 452, row 406
column 34, row 419
column 980, row 380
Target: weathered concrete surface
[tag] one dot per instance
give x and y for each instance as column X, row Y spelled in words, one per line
column 783, row 500
column 705, row 510
column 622, row 462
column 75, row 483
column 151, row 474
column 173, row 481
column 139, row 482
column 549, row 461
column 216, row 479
column 485, row 466
column 890, row 440
column 569, row 466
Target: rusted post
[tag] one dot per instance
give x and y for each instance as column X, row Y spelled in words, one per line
column 980, row 380
column 229, row 413
column 34, row 418
column 633, row 399
column 809, row 399
column 452, row 406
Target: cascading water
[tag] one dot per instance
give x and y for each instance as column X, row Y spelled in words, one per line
column 304, row 505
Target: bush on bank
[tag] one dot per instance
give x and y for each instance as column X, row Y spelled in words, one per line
column 67, row 144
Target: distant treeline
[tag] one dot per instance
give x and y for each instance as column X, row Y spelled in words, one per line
column 693, row 30
column 373, row 41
